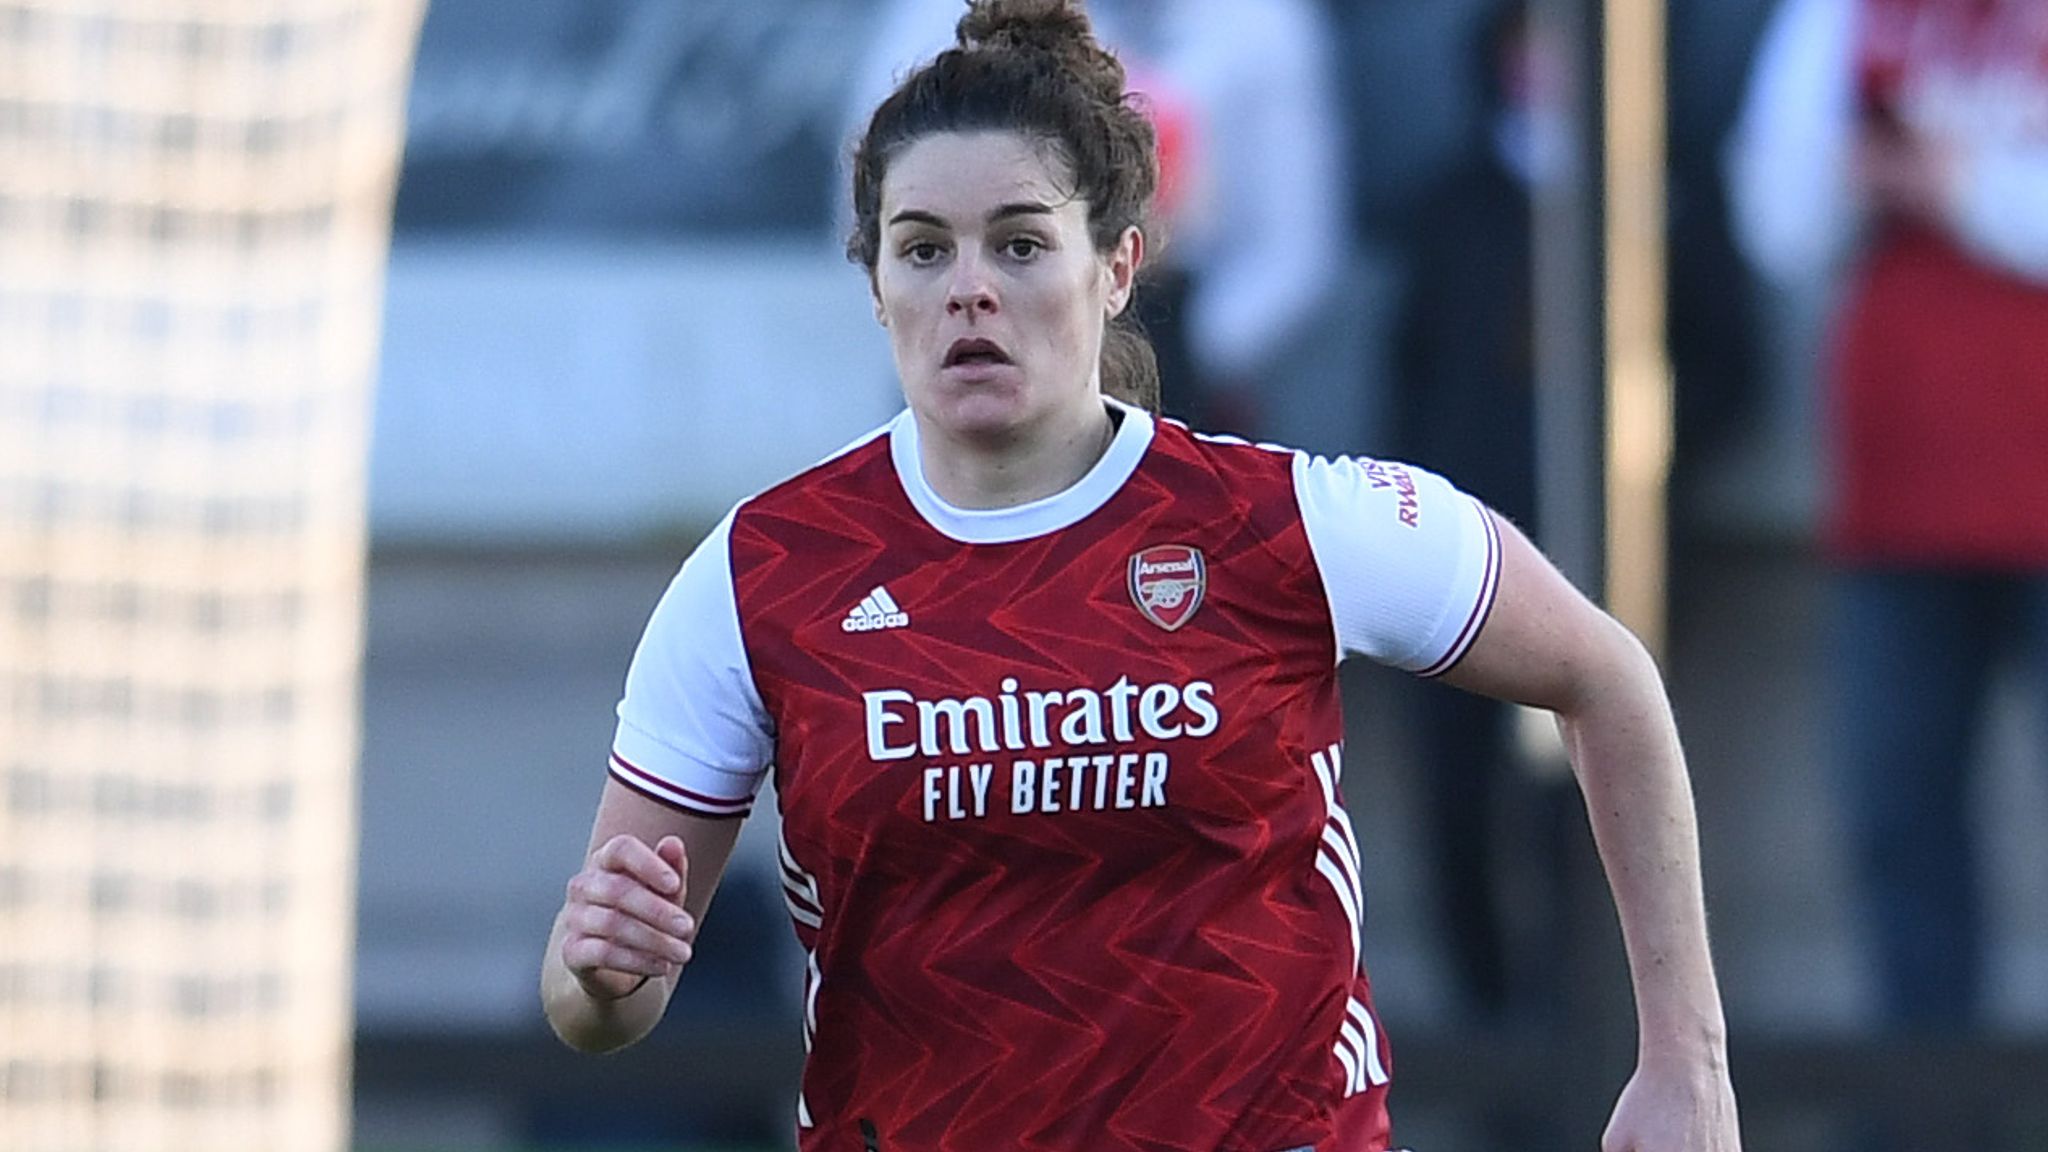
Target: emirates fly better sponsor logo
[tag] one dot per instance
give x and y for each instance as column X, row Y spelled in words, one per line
column 1082, row 749
column 1167, row 582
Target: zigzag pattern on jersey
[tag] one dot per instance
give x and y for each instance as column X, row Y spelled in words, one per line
column 983, row 979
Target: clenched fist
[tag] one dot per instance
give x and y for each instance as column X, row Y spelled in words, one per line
column 624, row 921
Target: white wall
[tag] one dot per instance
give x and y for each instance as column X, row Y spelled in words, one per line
column 580, row 393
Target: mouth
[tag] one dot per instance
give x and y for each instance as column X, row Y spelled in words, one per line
column 975, row 351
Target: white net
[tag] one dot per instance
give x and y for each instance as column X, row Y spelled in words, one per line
column 194, row 213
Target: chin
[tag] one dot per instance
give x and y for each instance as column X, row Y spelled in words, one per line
column 977, row 421
column 979, row 413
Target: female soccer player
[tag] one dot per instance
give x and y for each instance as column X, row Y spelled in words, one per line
column 1049, row 690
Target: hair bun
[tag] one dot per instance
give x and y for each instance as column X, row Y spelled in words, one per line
column 1059, row 28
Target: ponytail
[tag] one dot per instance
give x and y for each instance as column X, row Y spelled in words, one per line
column 1130, row 368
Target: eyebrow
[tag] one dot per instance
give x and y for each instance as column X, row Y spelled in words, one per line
column 1005, row 212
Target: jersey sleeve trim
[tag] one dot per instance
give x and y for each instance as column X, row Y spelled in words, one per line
column 674, row 795
column 692, row 730
column 1482, row 607
column 1410, row 565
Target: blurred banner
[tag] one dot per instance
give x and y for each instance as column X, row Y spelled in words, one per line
column 611, row 117
column 600, row 394
column 615, row 306
column 194, row 209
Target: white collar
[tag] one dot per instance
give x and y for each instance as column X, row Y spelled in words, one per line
column 1023, row 521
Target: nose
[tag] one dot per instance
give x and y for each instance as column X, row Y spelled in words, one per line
column 970, row 292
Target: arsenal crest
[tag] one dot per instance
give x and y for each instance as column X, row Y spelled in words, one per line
column 1167, row 581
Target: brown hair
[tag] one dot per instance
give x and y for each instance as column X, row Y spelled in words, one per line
column 1033, row 67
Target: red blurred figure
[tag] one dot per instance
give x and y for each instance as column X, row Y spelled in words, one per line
column 1903, row 144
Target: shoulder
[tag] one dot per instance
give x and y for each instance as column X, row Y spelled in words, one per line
column 857, row 468
column 1254, row 468
column 1231, row 458
column 1222, row 478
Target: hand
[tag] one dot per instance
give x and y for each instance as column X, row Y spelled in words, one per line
column 1905, row 174
column 624, row 920
column 1690, row 1109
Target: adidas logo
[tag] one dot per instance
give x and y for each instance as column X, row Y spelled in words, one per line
column 875, row 612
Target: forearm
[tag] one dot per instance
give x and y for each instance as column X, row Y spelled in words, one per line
column 1624, row 748
column 588, row 1023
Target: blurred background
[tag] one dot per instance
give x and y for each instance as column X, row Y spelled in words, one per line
column 616, row 303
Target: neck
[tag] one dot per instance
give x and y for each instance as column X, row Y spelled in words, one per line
column 983, row 474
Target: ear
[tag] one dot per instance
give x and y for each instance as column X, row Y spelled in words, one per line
column 875, row 298
column 1121, row 269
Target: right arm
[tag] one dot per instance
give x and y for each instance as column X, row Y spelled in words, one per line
column 692, row 746
column 630, row 919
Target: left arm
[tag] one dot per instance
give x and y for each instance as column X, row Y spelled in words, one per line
column 1545, row 645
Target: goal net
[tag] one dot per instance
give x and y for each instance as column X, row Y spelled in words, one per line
column 194, row 214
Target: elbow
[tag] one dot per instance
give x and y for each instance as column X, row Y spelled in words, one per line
column 590, row 1043
column 562, row 1017
column 584, row 1024
column 1614, row 666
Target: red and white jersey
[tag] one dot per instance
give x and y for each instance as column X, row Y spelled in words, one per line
column 1062, row 831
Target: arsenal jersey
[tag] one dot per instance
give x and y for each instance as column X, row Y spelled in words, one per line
column 1063, row 836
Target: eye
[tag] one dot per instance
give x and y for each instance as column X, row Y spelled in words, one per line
column 922, row 252
column 1023, row 247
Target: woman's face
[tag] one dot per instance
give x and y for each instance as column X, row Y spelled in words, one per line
column 992, row 291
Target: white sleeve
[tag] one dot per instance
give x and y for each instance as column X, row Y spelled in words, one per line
column 1409, row 563
column 692, row 732
column 2001, row 206
column 1792, row 208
